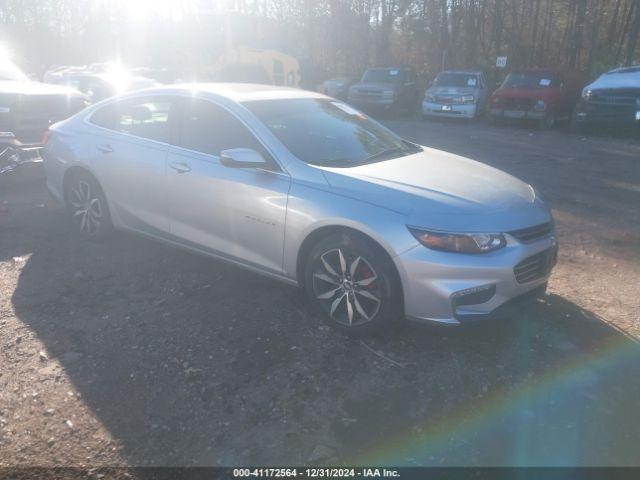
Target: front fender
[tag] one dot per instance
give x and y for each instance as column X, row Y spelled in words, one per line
column 310, row 209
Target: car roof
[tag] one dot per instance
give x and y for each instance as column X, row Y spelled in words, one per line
column 629, row 69
column 238, row 92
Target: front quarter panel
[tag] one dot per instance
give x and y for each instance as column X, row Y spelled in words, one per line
column 311, row 208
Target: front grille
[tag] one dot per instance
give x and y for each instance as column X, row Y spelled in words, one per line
column 531, row 234
column 536, row 266
column 444, row 100
column 620, row 98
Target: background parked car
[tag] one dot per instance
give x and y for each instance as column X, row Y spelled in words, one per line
column 613, row 98
column 338, row 87
column 545, row 96
column 98, row 86
column 27, row 108
column 456, row 94
column 386, row 88
column 256, row 65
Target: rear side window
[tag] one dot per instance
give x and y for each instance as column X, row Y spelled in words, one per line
column 207, row 128
column 146, row 117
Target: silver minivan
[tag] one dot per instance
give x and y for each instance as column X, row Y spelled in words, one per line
column 456, row 94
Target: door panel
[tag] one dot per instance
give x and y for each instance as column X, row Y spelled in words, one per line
column 134, row 178
column 129, row 153
column 237, row 212
column 234, row 211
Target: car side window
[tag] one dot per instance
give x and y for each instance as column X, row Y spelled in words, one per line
column 146, row 117
column 208, row 128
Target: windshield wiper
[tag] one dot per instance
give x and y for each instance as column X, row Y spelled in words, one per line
column 383, row 153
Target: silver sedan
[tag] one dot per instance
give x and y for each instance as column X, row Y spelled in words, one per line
column 307, row 190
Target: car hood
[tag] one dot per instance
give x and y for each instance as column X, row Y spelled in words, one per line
column 35, row 88
column 442, row 191
column 616, row 80
column 452, row 90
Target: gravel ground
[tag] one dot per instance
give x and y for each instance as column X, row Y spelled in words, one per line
column 133, row 353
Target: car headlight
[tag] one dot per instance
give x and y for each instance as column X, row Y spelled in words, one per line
column 539, row 105
column 460, row 242
column 430, row 98
column 467, row 99
column 587, row 94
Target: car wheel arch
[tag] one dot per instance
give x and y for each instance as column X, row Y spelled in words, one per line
column 76, row 170
column 324, row 231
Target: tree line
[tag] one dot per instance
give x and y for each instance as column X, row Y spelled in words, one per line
column 330, row 37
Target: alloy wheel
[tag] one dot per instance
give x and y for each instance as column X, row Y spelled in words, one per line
column 347, row 287
column 87, row 208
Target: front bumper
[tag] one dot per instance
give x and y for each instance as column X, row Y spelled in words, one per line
column 600, row 114
column 433, row 281
column 449, row 110
column 517, row 114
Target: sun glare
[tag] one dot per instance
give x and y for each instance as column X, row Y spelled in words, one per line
column 141, row 10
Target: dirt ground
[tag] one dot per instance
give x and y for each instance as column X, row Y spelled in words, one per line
column 133, row 353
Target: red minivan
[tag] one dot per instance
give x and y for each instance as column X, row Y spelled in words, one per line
column 544, row 96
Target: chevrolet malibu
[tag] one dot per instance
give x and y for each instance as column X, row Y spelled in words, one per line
column 307, row 190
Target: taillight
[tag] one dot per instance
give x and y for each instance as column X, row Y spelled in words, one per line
column 45, row 136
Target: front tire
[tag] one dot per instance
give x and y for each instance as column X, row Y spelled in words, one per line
column 548, row 122
column 87, row 207
column 352, row 284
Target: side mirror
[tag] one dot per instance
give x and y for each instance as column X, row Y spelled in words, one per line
column 242, row 158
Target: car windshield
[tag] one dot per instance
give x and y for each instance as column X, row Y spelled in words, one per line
column 382, row 75
column 329, row 133
column 529, row 80
column 456, row 80
column 9, row 71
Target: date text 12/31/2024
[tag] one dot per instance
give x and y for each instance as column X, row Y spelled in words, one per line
column 315, row 473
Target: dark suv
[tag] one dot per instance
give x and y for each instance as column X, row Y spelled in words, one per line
column 613, row 99
column 27, row 108
column 386, row 88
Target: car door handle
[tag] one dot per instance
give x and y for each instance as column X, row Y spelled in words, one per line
column 180, row 167
column 105, row 148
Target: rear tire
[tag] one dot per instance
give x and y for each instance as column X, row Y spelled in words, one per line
column 352, row 284
column 87, row 207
